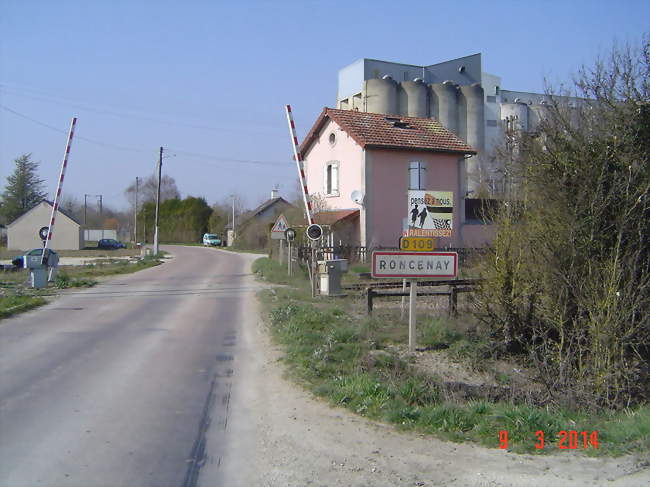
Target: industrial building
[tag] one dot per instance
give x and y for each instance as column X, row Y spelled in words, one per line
column 466, row 100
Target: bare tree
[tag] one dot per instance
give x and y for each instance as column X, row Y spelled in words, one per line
column 148, row 187
column 568, row 278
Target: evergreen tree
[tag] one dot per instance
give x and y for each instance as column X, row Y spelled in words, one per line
column 23, row 191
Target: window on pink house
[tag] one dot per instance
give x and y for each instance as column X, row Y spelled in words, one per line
column 417, row 175
column 331, row 179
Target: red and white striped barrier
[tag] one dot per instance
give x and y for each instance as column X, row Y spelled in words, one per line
column 300, row 165
column 57, row 195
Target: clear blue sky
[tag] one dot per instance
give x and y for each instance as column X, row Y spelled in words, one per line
column 212, row 77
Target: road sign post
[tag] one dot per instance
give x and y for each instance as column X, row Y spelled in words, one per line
column 289, row 235
column 401, row 311
column 412, row 314
column 409, row 266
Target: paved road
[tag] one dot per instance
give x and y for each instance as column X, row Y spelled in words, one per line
column 124, row 384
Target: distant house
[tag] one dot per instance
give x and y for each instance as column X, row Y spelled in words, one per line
column 22, row 233
column 267, row 211
column 362, row 166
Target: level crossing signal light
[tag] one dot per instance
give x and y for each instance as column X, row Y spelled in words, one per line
column 314, row 231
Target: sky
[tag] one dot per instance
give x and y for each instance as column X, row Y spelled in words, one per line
column 208, row 80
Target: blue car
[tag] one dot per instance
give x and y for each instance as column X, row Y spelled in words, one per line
column 110, row 244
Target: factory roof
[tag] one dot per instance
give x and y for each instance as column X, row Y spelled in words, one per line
column 380, row 131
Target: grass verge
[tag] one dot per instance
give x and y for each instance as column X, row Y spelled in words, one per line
column 11, row 305
column 343, row 358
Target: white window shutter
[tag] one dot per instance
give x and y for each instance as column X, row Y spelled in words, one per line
column 335, row 178
column 325, row 188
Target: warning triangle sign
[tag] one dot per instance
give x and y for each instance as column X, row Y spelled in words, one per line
column 280, row 225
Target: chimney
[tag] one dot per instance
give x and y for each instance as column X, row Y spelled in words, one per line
column 274, row 193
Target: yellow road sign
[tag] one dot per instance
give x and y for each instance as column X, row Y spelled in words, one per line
column 417, row 244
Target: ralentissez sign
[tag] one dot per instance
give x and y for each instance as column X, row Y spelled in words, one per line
column 430, row 213
column 414, row 264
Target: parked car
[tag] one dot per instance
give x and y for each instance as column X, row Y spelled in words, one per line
column 110, row 244
column 211, row 239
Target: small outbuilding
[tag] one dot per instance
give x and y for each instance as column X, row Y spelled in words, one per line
column 22, row 233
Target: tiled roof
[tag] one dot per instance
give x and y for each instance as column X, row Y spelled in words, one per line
column 330, row 217
column 379, row 131
column 267, row 204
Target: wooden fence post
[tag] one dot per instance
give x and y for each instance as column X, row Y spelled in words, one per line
column 370, row 295
column 453, row 302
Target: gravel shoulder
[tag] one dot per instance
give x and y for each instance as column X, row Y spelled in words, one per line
column 294, row 439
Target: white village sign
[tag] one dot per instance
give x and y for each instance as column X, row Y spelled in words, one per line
column 414, row 264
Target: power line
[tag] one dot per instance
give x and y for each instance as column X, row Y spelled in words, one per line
column 132, row 149
column 138, row 117
column 228, row 159
column 43, row 124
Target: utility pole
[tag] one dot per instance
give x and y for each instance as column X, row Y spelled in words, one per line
column 155, row 235
column 101, row 220
column 97, row 197
column 232, row 240
column 135, row 212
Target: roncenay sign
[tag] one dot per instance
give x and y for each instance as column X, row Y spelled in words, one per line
column 414, row 264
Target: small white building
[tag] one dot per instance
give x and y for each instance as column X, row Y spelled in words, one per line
column 22, row 233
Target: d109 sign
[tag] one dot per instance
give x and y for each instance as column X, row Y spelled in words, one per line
column 414, row 264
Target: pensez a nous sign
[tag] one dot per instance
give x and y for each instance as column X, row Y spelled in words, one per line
column 414, row 264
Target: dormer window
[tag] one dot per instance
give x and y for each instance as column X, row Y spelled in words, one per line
column 398, row 122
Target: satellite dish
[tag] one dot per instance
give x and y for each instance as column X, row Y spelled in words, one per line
column 357, row 197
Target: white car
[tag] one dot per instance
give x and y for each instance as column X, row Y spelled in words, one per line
column 212, row 240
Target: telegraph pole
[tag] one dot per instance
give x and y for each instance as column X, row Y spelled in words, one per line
column 156, row 235
column 97, row 197
column 232, row 239
column 135, row 212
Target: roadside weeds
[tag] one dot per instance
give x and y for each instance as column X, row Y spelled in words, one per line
column 355, row 362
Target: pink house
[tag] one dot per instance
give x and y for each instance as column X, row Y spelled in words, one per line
column 361, row 166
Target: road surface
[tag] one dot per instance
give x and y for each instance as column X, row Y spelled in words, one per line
column 118, row 385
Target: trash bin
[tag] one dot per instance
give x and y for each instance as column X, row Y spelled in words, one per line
column 330, row 272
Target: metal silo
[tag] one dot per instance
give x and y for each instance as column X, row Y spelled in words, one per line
column 475, row 117
column 444, row 104
column 381, row 96
column 413, row 99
